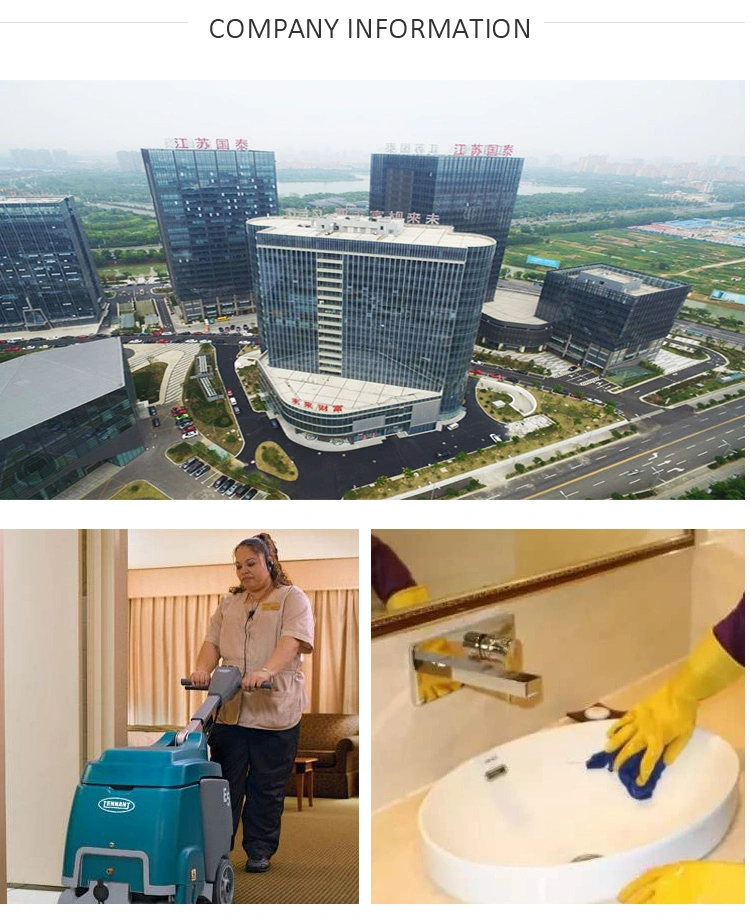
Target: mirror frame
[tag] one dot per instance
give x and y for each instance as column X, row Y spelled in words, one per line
column 430, row 611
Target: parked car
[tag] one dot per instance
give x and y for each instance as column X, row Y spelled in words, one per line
column 188, row 435
column 200, row 470
column 189, row 463
column 442, row 455
column 275, row 423
column 155, row 422
column 250, row 494
column 217, row 484
column 241, row 490
column 232, row 489
column 152, row 410
column 233, row 401
column 225, row 487
column 230, row 393
column 496, row 438
column 452, row 427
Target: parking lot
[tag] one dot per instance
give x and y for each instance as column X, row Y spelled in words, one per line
column 223, row 486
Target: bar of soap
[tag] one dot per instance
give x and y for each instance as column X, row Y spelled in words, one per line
column 597, row 713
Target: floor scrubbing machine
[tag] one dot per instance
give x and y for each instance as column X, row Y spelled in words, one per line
column 155, row 824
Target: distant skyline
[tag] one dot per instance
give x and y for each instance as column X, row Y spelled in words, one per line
column 680, row 120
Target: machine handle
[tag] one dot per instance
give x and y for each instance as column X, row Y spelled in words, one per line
column 189, row 686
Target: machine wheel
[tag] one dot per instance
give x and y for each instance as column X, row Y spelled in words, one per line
column 224, row 883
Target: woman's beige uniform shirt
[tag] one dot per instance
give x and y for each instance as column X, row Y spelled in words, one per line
column 248, row 642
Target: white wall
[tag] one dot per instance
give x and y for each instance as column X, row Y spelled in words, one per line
column 201, row 547
column 718, row 577
column 43, row 680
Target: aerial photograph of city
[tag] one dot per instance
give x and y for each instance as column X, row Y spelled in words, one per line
column 524, row 290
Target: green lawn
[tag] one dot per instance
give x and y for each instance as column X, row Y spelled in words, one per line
column 148, row 381
column 140, row 489
column 667, row 257
column 272, row 458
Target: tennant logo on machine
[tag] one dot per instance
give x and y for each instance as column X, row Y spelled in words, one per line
column 116, row 805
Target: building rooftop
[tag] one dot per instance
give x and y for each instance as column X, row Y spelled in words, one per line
column 380, row 230
column 514, row 307
column 40, row 200
column 323, row 390
column 38, row 387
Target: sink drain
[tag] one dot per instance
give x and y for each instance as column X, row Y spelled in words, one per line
column 581, row 857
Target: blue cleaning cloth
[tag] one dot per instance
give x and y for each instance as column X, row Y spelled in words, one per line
column 629, row 772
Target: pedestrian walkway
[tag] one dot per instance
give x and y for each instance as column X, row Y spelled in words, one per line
column 669, row 362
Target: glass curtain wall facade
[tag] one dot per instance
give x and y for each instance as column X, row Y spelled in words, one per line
column 369, row 309
column 472, row 194
column 602, row 323
column 47, row 273
column 203, row 199
column 42, row 461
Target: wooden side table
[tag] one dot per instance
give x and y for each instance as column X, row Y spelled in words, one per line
column 304, row 768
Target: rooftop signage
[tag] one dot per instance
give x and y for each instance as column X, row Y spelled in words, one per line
column 459, row 150
column 206, row 144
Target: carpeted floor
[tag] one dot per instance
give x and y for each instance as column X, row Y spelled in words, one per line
column 317, row 860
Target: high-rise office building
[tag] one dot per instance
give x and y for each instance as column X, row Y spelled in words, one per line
column 65, row 412
column 47, row 273
column 367, row 324
column 474, row 194
column 602, row 317
column 203, row 199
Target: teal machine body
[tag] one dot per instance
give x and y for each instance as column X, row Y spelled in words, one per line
column 154, row 824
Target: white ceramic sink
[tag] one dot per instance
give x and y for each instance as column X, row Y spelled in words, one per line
column 530, row 834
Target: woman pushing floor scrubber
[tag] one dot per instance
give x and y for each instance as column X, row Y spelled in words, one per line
column 155, row 824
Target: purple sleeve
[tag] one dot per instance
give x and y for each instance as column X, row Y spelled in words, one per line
column 389, row 574
column 730, row 632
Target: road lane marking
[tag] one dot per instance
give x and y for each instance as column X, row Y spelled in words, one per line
column 634, row 481
column 712, row 439
column 688, row 447
column 600, row 482
column 629, row 460
column 702, row 454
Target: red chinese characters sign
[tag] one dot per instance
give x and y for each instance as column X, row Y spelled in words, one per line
column 483, row 150
column 318, row 407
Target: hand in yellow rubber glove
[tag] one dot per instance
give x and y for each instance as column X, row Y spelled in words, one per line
column 692, row 882
column 664, row 722
column 433, row 687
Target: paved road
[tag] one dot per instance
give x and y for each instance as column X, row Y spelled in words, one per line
column 680, row 442
column 731, row 338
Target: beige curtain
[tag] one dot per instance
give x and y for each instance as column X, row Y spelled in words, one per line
column 332, row 671
column 167, row 632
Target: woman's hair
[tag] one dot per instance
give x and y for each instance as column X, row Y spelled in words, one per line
column 263, row 544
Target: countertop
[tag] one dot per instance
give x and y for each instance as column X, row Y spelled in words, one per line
column 397, row 873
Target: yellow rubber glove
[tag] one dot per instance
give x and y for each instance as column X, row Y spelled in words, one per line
column 695, row 882
column 664, row 722
column 407, row 598
column 431, row 686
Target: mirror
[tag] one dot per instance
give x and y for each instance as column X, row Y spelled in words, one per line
column 464, row 569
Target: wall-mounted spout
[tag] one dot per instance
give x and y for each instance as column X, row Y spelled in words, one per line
column 486, row 657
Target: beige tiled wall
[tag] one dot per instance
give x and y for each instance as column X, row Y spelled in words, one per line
column 586, row 639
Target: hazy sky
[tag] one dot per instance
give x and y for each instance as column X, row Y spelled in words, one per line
column 684, row 120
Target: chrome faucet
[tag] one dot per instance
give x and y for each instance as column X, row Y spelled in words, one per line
column 485, row 657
